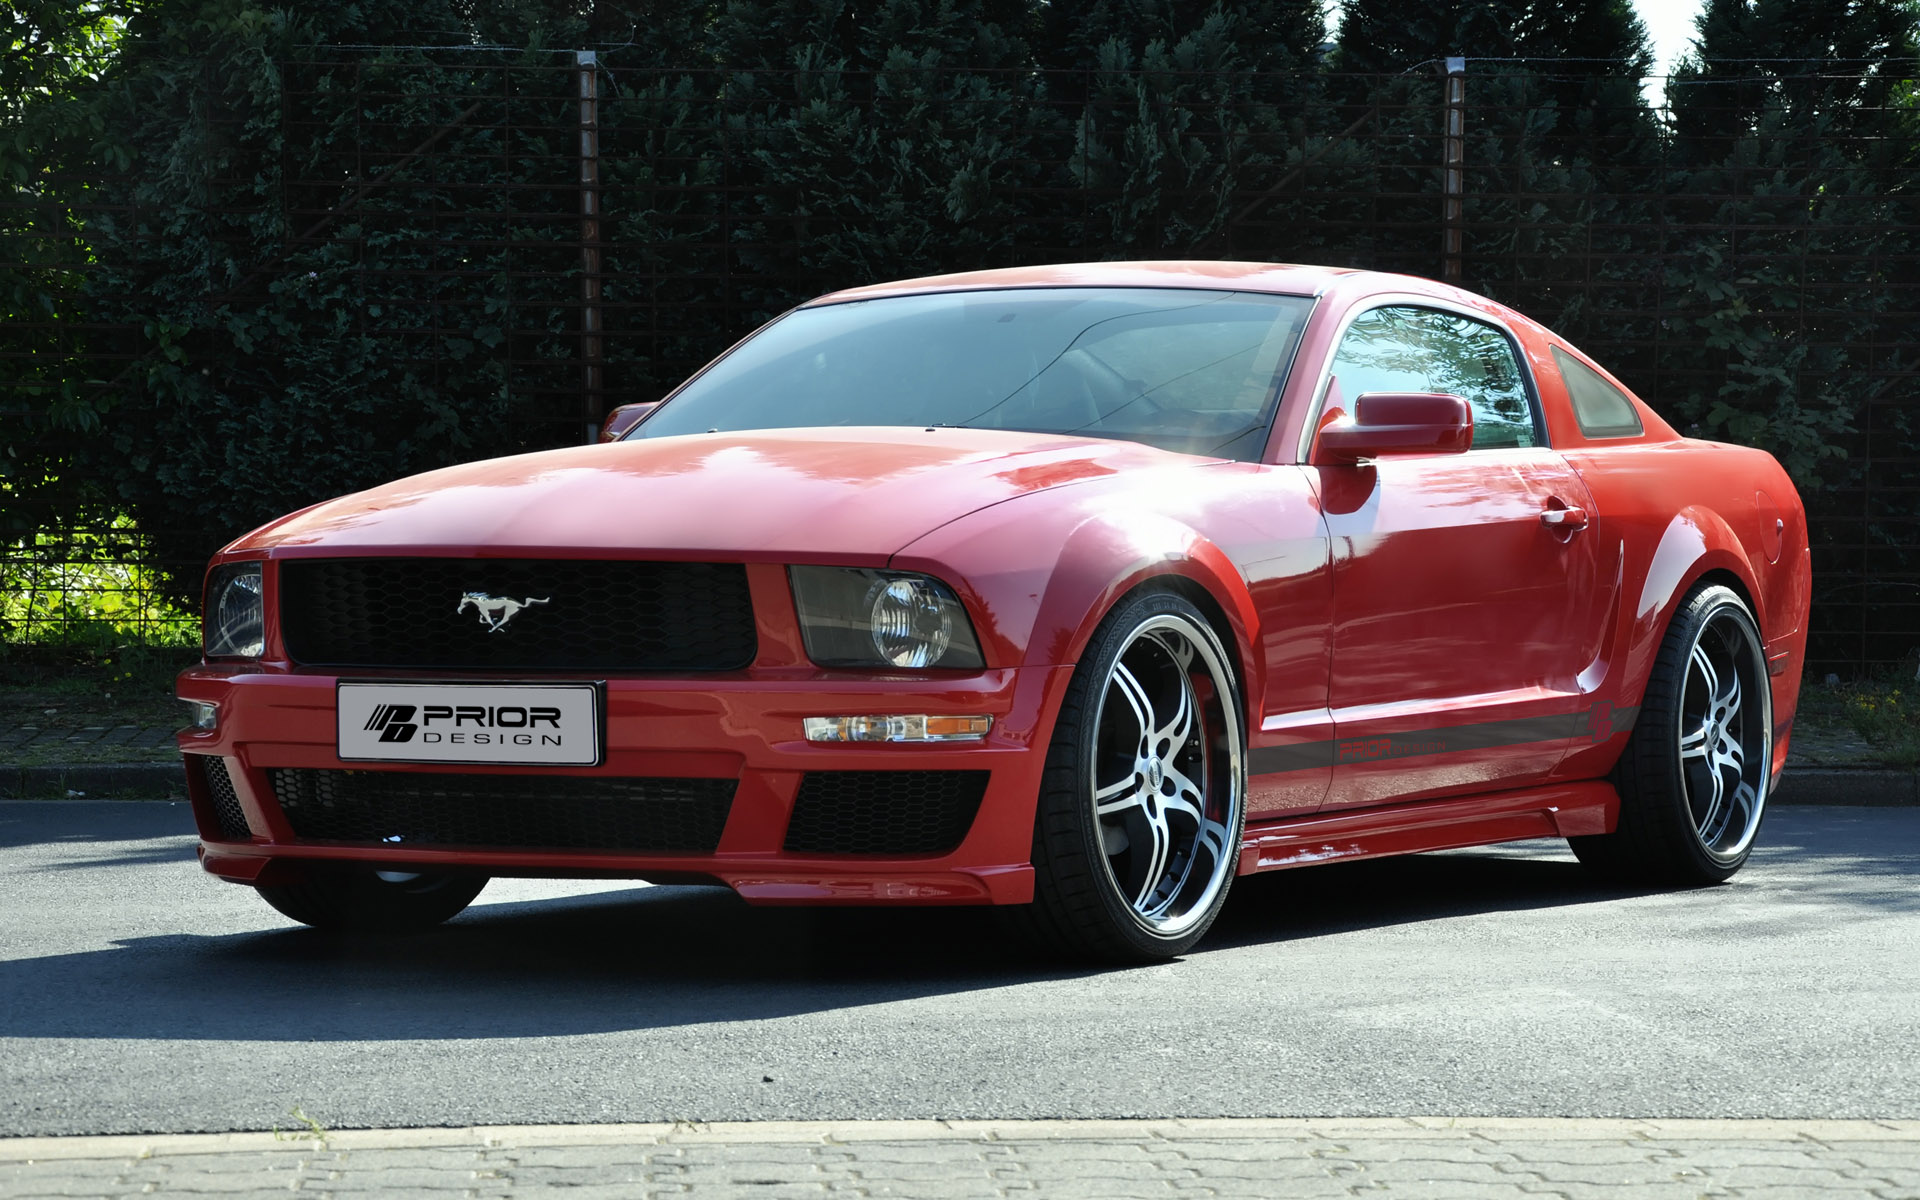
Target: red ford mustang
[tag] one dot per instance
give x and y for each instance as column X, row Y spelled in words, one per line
column 1079, row 588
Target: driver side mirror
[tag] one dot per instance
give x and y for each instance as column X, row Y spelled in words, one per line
column 1386, row 423
column 624, row 418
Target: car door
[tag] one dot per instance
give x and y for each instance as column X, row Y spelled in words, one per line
column 1468, row 597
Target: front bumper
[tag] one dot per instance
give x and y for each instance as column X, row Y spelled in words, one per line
column 745, row 727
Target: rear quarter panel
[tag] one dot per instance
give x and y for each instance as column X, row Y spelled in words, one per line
column 1675, row 511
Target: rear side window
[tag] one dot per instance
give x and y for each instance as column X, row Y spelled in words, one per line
column 1602, row 409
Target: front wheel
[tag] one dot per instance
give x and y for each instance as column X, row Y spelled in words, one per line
column 1693, row 779
column 1143, row 800
column 373, row 901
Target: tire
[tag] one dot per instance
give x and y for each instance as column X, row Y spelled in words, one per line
column 1143, row 799
column 373, row 901
column 1694, row 777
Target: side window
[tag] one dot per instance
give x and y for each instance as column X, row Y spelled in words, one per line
column 1383, row 350
column 1475, row 361
column 1602, row 410
column 1425, row 350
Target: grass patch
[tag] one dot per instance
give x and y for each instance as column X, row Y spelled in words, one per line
column 81, row 686
column 1881, row 713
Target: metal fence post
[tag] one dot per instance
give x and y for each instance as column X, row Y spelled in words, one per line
column 592, row 406
column 1453, row 202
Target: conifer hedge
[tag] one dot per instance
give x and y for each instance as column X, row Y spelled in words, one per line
column 260, row 255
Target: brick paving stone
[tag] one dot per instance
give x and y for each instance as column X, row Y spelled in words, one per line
column 960, row 1189
column 1802, row 1154
column 275, row 1159
column 1477, row 1152
column 1768, row 1176
column 363, row 1179
column 1852, row 1192
column 1237, row 1150
column 571, row 1177
column 1615, row 1174
column 1104, row 1189
column 316, row 1192
column 466, row 1159
column 1905, row 1182
column 579, row 1156
column 1679, row 1190
column 1599, row 1154
column 1416, row 1167
column 68, row 1184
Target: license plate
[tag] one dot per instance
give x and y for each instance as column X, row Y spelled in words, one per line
column 504, row 724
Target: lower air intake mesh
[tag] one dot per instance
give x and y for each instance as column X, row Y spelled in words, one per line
column 227, row 813
column 530, row 812
column 884, row 812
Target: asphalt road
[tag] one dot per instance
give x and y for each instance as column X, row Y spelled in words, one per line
column 138, row 995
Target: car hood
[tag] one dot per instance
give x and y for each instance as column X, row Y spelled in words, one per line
column 792, row 495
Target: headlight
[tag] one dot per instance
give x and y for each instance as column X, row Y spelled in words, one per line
column 853, row 617
column 234, row 622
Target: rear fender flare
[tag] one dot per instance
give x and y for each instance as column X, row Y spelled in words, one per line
column 1695, row 543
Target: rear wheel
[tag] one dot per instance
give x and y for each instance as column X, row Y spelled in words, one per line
column 1138, row 831
column 1694, row 777
column 373, row 901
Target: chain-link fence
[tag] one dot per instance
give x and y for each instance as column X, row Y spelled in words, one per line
column 356, row 264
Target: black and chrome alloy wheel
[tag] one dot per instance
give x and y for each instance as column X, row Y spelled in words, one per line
column 1694, row 777
column 1140, row 818
column 1726, row 733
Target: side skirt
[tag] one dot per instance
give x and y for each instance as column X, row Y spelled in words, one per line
column 1559, row 810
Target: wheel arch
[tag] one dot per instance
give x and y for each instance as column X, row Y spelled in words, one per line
column 1697, row 546
column 1105, row 562
column 1193, row 592
column 1730, row 580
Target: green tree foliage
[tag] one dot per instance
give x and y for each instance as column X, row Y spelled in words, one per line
column 1176, row 108
column 1274, row 35
column 269, row 254
column 1806, row 71
column 1798, row 192
column 50, row 141
column 1385, row 37
column 1590, row 55
column 296, row 321
column 874, row 140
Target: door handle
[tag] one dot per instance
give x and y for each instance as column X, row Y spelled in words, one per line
column 1564, row 520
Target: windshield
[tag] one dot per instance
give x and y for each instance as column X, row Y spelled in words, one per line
column 1194, row 371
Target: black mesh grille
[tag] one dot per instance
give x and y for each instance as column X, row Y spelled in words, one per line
column 596, row 616
column 884, row 812
column 531, row 812
column 227, row 813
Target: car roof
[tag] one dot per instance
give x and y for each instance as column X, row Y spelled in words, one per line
column 1281, row 278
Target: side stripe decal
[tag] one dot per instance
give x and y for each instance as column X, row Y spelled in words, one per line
column 1596, row 724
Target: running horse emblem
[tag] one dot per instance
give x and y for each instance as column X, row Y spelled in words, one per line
column 495, row 611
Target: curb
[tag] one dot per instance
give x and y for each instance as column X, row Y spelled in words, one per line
column 1869, row 787
column 130, row 781
column 1257, row 1129
column 1875, row 787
